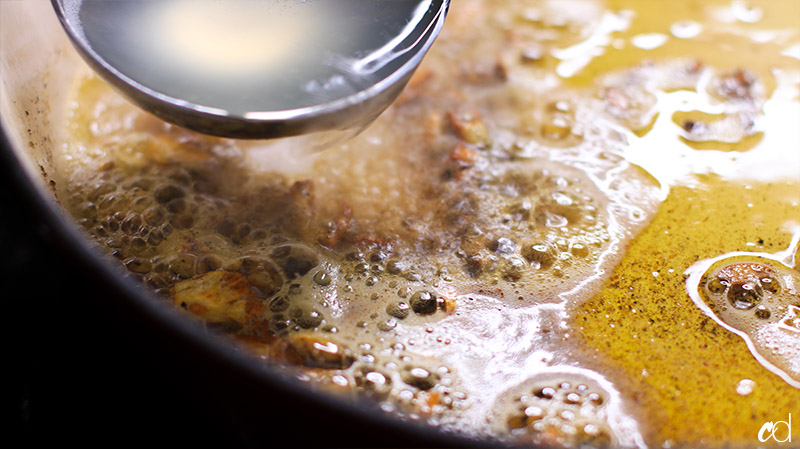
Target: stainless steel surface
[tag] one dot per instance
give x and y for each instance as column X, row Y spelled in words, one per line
column 340, row 78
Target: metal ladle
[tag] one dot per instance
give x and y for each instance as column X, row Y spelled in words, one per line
column 256, row 69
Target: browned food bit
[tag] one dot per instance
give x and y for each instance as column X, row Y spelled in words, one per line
column 321, row 352
column 448, row 304
column 337, row 229
column 737, row 85
column 485, row 72
column 469, row 127
column 460, row 159
column 220, row 297
column 463, row 155
column 274, row 349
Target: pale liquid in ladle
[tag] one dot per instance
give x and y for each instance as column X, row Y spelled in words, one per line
column 250, row 56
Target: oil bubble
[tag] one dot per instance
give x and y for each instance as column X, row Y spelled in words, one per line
column 306, row 318
column 374, row 381
column 398, row 310
column 762, row 313
column 323, row 278
column 387, row 325
column 744, row 296
column 539, row 254
column 752, row 295
column 561, row 408
column 419, row 377
column 295, row 260
column 423, row 303
column 279, row 304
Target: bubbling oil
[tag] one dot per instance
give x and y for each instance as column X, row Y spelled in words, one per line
column 507, row 246
column 501, row 253
column 756, row 296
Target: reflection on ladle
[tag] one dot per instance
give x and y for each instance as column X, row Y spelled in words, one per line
column 256, row 69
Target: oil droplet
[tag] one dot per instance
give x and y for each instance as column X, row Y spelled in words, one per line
column 686, row 29
column 649, row 41
column 745, row 12
column 745, row 387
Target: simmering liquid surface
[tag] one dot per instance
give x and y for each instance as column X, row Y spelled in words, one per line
column 578, row 225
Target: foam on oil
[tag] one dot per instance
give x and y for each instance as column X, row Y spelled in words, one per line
column 453, row 252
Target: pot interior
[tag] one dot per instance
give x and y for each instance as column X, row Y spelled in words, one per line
column 557, row 212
